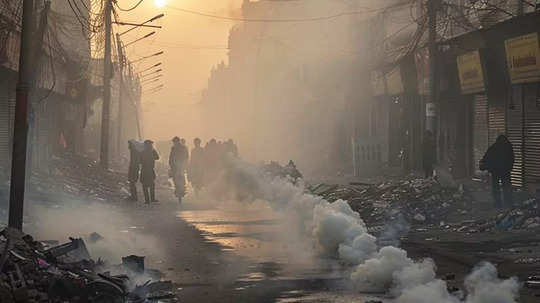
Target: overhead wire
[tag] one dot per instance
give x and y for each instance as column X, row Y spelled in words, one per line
column 128, row 9
column 313, row 19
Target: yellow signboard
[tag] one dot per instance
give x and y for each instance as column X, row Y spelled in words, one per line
column 471, row 75
column 523, row 58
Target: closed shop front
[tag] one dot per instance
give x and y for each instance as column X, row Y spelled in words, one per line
column 496, row 121
column 7, row 111
column 480, row 129
column 523, row 115
column 514, row 132
column 531, row 133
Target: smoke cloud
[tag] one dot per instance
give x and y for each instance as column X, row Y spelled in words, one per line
column 338, row 231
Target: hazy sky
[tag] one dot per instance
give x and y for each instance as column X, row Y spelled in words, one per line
column 189, row 42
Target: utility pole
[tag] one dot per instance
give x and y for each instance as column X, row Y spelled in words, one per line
column 520, row 7
column 120, row 89
column 20, row 131
column 431, row 109
column 105, row 112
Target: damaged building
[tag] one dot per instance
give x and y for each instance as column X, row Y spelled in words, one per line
column 67, row 89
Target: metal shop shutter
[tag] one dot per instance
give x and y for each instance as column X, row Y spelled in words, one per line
column 514, row 132
column 532, row 134
column 480, row 129
column 496, row 123
column 7, row 110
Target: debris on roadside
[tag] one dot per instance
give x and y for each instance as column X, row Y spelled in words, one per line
column 533, row 282
column 73, row 176
column 34, row 271
column 422, row 201
column 426, row 202
column 288, row 171
column 526, row 215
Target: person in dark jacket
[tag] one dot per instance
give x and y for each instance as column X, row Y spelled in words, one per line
column 499, row 161
column 148, row 175
column 133, row 169
column 178, row 159
column 196, row 171
column 428, row 154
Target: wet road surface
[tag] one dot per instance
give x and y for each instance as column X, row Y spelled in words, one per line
column 280, row 267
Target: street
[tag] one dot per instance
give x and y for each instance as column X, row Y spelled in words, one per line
column 214, row 252
column 269, row 151
column 246, row 252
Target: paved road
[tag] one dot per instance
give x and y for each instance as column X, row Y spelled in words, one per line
column 214, row 253
column 226, row 252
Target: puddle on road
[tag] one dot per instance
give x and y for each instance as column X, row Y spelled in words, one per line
column 249, row 233
column 258, row 235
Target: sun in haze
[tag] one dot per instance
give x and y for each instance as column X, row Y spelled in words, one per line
column 160, row 3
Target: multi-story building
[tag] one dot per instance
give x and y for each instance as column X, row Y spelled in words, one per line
column 66, row 94
column 292, row 90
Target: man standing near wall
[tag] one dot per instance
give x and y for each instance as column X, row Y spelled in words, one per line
column 499, row 161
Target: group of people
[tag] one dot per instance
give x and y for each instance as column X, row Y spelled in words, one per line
column 498, row 161
column 142, row 163
column 202, row 165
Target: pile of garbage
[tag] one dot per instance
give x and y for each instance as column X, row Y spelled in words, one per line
column 35, row 271
column 526, row 215
column 72, row 175
column 289, row 171
column 426, row 202
column 420, row 201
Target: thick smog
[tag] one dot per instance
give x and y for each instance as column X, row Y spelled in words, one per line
column 288, row 151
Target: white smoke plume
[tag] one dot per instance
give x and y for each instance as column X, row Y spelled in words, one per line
column 340, row 232
column 482, row 286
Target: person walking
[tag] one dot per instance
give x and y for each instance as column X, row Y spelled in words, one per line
column 196, row 171
column 134, row 168
column 148, row 174
column 178, row 159
column 428, row 154
column 499, row 162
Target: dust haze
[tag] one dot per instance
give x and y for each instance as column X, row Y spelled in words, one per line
column 282, row 90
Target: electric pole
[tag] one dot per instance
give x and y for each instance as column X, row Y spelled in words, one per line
column 20, row 131
column 431, row 109
column 120, row 89
column 520, row 7
column 105, row 112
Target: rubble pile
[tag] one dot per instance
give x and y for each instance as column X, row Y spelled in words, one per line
column 33, row 271
column 289, row 171
column 78, row 176
column 421, row 201
column 426, row 202
column 526, row 215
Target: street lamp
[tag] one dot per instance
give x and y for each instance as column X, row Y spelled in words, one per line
column 153, row 80
column 149, row 68
column 156, row 77
column 135, row 25
column 143, row 37
column 152, row 55
column 154, row 72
